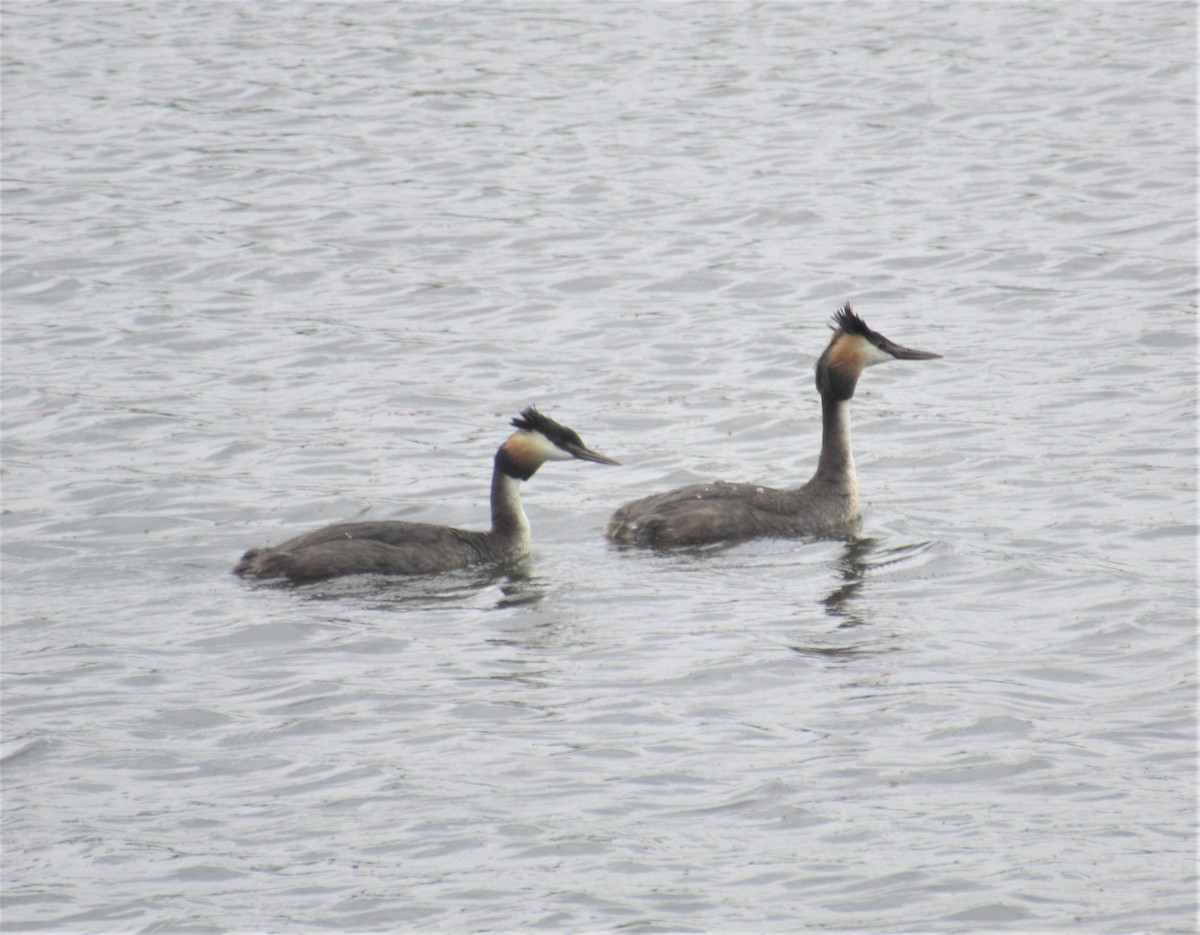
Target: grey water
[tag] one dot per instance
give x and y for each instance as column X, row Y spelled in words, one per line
column 270, row 266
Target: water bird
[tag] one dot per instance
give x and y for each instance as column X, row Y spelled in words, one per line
column 701, row 514
column 400, row 548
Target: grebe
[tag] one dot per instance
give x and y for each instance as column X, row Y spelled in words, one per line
column 826, row 505
column 398, row 548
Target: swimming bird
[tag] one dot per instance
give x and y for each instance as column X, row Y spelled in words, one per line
column 399, row 548
column 700, row 514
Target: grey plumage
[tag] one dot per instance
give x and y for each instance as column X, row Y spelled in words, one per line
column 827, row 505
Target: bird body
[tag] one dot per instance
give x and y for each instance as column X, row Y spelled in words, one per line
column 401, row 548
column 828, row 504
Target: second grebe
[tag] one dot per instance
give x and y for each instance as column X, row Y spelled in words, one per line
column 827, row 504
column 398, row 548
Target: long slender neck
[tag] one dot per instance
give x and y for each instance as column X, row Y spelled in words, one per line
column 508, row 518
column 836, row 466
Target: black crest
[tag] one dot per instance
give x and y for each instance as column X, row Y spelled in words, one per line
column 845, row 320
column 533, row 421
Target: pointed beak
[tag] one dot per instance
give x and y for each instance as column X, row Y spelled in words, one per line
column 907, row 353
column 586, row 454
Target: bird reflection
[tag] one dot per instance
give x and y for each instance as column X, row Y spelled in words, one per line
column 841, row 603
column 861, row 558
column 515, row 581
column 853, row 567
column 520, row 588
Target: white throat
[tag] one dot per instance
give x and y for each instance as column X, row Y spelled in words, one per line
column 507, row 510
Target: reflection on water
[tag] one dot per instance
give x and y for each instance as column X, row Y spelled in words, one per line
column 846, row 604
column 850, row 603
column 522, row 589
column 395, row 591
column 853, row 568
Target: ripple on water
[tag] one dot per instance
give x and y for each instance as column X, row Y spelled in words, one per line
column 256, row 286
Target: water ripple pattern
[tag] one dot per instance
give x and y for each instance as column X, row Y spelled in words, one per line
column 269, row 266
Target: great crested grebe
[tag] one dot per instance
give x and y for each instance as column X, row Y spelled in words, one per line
column 826, row 505
column 398, row 548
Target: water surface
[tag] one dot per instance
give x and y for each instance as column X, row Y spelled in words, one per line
column 268, row 267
